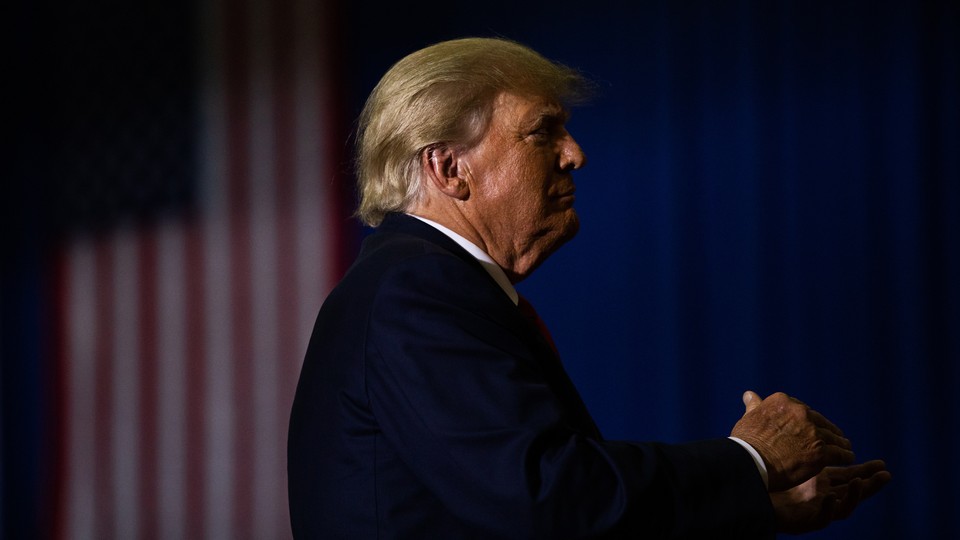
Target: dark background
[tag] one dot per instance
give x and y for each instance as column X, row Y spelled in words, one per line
column 771, row 202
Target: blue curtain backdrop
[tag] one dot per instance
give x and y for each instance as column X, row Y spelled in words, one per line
column 771, row 202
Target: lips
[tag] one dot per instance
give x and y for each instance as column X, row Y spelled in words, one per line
column 568, row 192
column 565, row 199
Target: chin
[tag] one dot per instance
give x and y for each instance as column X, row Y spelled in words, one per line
column 549, row 242
column 566, row 232
column 572, row 226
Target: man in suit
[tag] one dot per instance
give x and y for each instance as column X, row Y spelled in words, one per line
column 432, row 402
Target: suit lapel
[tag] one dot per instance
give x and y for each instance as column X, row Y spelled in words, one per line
column 544, row 354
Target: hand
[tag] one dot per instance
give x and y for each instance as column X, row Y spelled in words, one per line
column 794, row 441
column 830, row 495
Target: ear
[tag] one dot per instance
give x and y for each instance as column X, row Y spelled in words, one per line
column 441, row 168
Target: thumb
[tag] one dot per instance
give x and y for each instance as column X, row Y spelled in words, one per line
column 751, row 400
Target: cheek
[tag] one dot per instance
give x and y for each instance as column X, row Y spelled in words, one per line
column 509, row 181
column 517, row 188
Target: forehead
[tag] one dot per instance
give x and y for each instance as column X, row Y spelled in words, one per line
column 518, row 109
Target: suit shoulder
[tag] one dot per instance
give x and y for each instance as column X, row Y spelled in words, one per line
column 385, row 255
column 408, row 262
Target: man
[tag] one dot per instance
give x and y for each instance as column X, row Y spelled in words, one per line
column 431, row 402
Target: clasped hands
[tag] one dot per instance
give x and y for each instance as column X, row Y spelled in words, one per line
column 811, row 478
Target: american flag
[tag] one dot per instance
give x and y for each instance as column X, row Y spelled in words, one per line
column 181, row 338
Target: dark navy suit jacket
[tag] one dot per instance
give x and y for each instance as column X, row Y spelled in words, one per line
column 429, row 407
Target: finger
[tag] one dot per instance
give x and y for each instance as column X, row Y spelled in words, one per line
column 837, row 455
column 873, row 484
column 832, row 438
column 821, row 421
column 871, row 476
column 751, row 400
column 842, row 475
column 865, row 470
column 873, row 466
column 848, row 499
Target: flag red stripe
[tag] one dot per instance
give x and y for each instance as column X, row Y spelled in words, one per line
column 284, row 58
column 196, row 425
column 339, row 200
column 103, row 407
column 148, row 503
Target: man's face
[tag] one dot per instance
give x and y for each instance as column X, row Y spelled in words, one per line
column 521, row 183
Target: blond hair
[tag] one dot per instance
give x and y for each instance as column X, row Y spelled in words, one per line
column 442, row 94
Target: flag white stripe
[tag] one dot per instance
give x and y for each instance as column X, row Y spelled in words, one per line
column 313, row 250
column 126, row 385
column 171, row 379
column 219, row 382
column 80, row 298
column 219, row 418
column 218, row 492
column 263, row 166
column 218, row 376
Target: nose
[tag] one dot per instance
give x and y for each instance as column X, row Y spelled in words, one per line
column 571, row 155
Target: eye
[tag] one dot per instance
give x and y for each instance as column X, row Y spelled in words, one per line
column 542, row 132
column 546, row 129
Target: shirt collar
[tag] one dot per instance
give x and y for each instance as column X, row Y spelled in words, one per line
column 482, row 257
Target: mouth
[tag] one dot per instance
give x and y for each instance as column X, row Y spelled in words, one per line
column 566, row 199
column 566, row 193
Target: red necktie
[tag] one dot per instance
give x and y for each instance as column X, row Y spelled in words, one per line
column 527, row 309
column 557, row 377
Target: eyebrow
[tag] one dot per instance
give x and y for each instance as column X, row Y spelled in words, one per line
column 550, row 115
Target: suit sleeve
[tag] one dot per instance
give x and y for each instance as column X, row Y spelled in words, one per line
column 459, row 393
